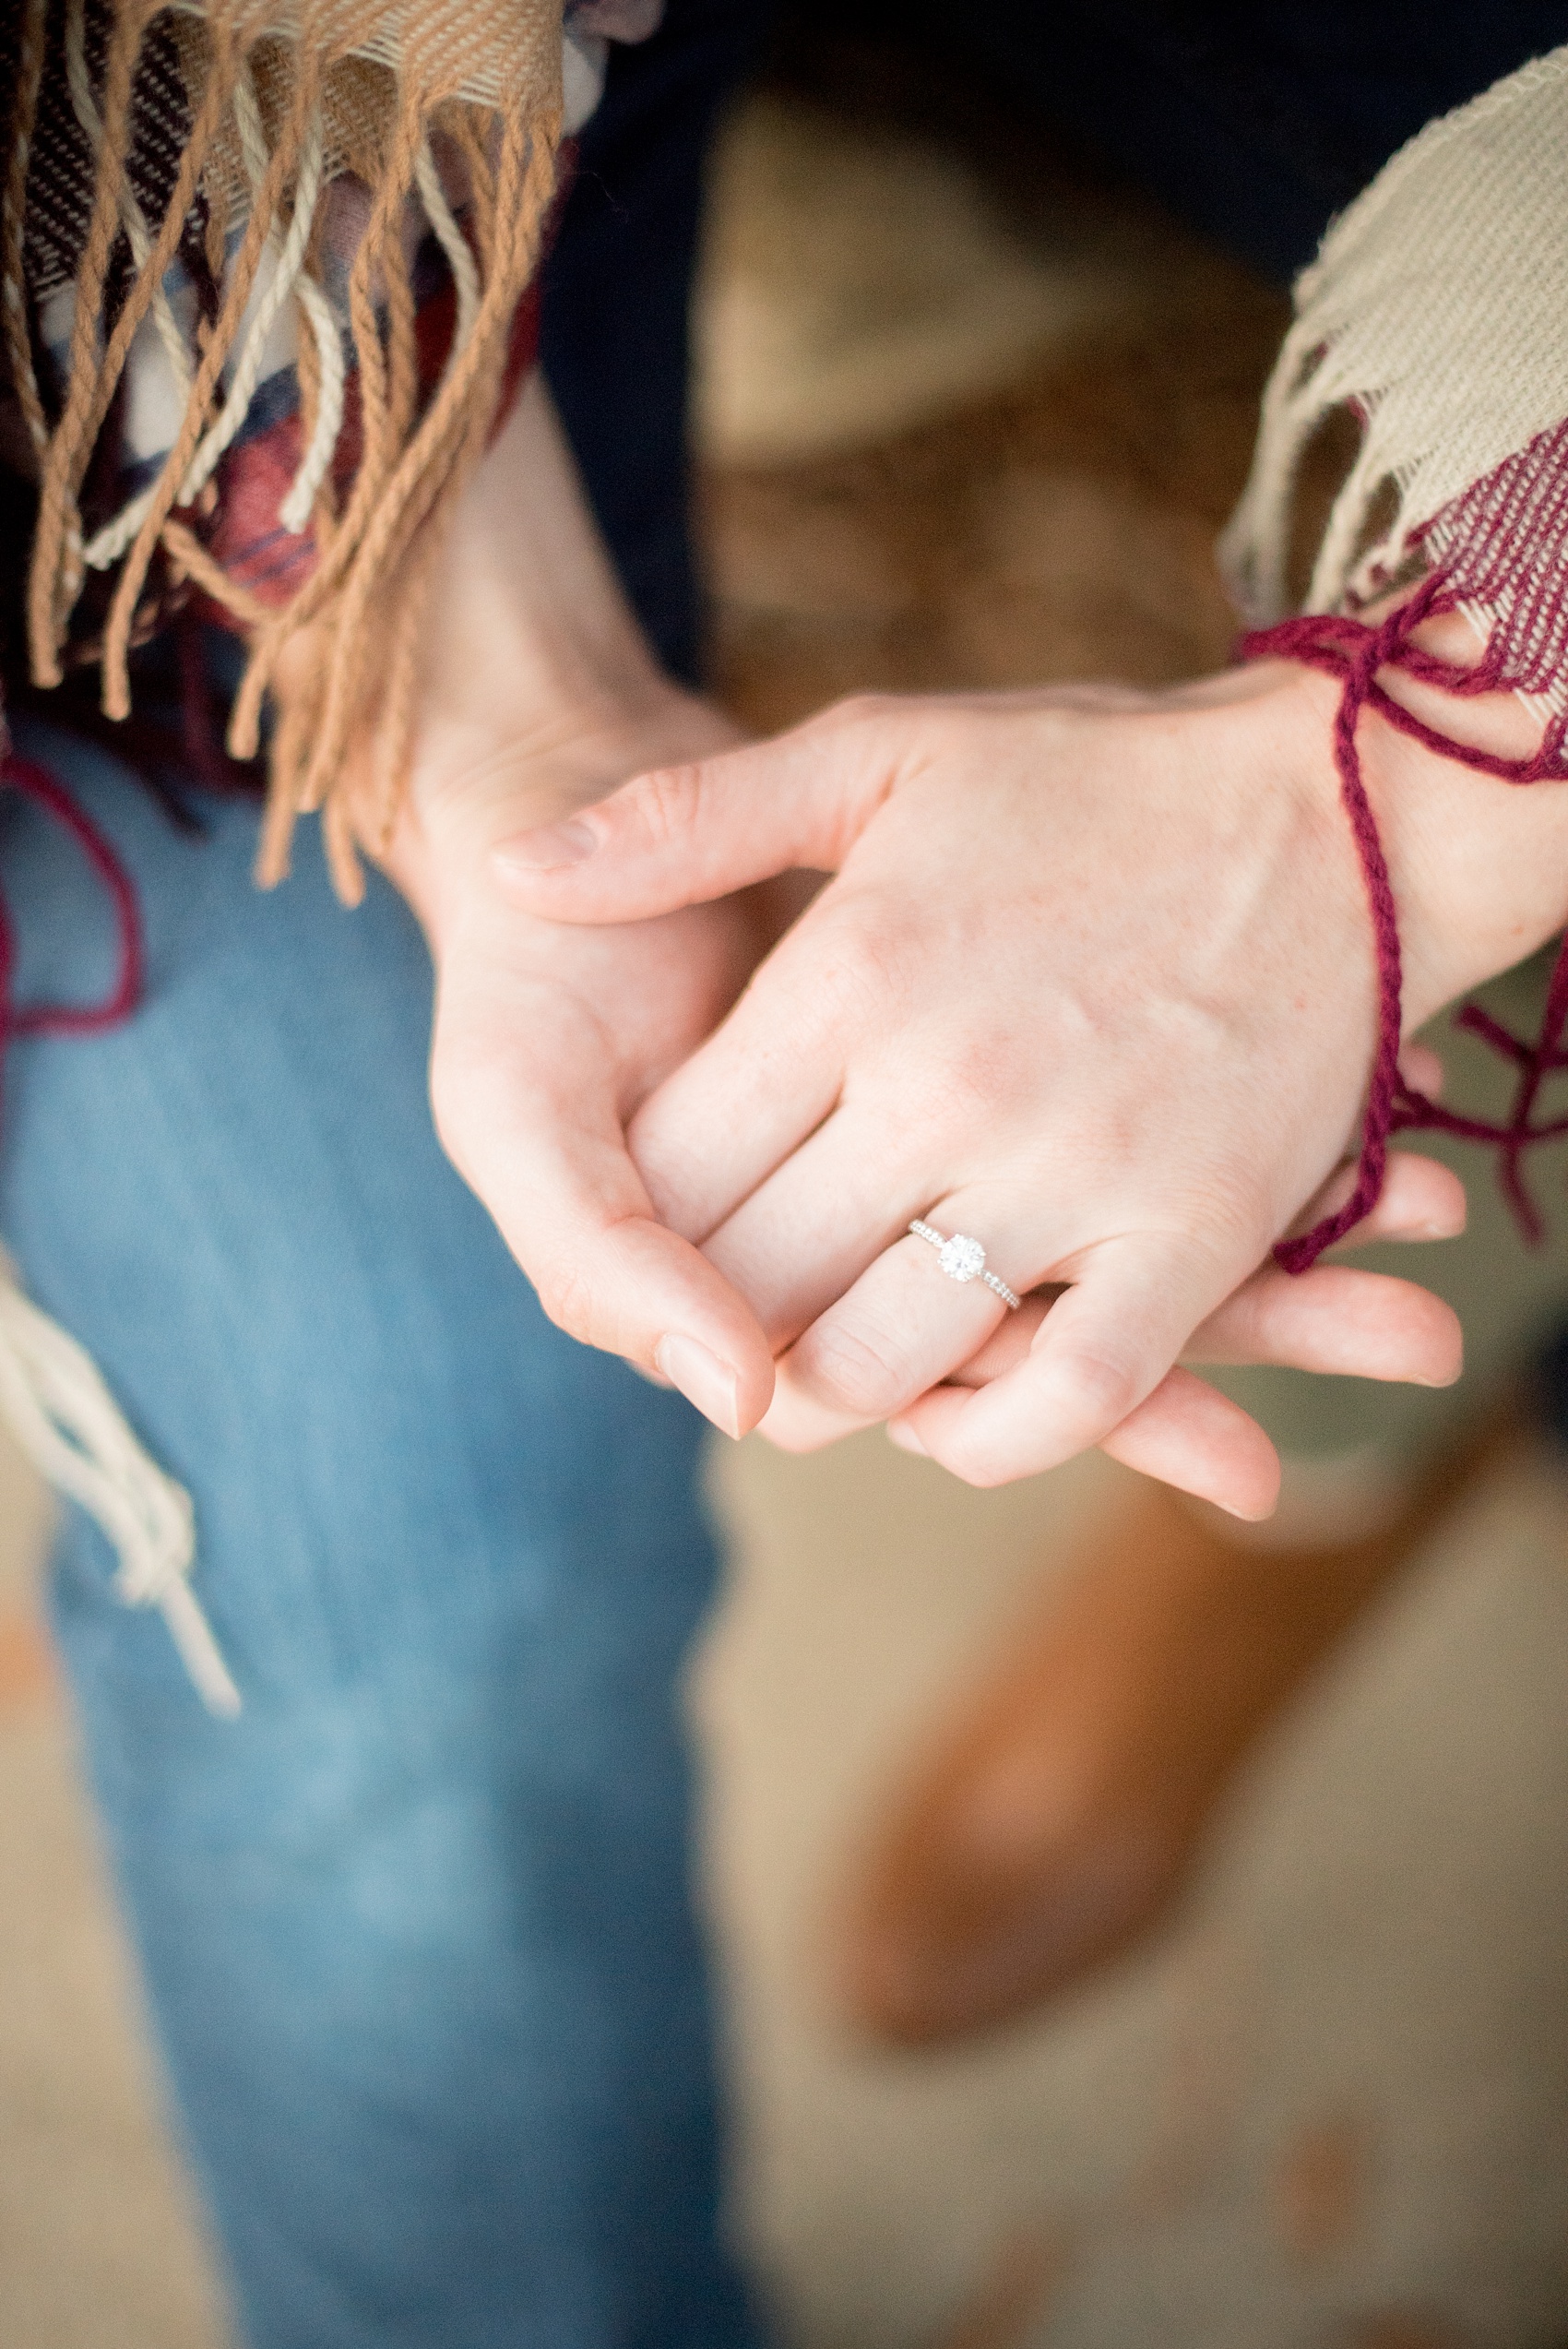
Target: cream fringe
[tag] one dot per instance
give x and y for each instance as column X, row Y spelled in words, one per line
column 1435, row 312
column 67, row 1423
column 283, row 89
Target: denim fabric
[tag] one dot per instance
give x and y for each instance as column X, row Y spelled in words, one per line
column 416, row 1928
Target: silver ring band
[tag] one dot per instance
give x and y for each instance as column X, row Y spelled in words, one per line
column 963, row 1258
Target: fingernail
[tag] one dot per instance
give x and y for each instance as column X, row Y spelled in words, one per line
column 547, row 850
column 905, row 1439
column 702, row 1379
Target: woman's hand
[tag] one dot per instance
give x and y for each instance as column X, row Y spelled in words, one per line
column 545, row 1043
column 1335, row 1320
column 538, row 695
column 1094, row 982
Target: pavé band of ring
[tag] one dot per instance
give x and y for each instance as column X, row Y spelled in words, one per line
column 963, row 1258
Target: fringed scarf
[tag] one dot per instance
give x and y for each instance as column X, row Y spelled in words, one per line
column 1434, row 314
column 260, row 264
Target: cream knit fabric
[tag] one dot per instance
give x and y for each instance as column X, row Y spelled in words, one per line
column 1435, row 312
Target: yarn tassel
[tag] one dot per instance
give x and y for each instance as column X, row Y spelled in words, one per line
column 93, row 375
column 264, row 204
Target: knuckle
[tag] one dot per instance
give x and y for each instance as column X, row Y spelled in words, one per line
column 971, row 1084
column 850, row 997
column 866, row 967
column 983, row 1457
column 566, row 1297
column 666, row 804
column 985, row 1474
column 977, row 1464
column 1105, row 1386
column 1271, row 1313
column 856, row 1370
column 860, row 710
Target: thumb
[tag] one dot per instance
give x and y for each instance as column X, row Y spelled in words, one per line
column 683, row 835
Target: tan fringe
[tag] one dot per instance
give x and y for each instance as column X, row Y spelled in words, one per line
column 395, row 735
column 402, row 347
column 381, row 239
column 92, row 380
column 375, row 459
column 522, row 198
column 12, row 282
column 342, row 859
column 56, row 545
column 431, row 474
column 216, row 242
column 469, row 142
column 190, row 560
column 347, row 646
column 264, row 210
column 298, row 713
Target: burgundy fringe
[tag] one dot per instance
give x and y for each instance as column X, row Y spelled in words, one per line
column 1356, row 653
column 36, row 783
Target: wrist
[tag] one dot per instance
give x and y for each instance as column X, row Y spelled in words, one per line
column 540, row 691
column 1479, row 864
column 473, row 787
column 1479, row 867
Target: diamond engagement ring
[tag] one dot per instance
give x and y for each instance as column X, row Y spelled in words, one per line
column 964, row 1259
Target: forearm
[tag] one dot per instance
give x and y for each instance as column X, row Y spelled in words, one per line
column 1479, row 865
column 539, row 686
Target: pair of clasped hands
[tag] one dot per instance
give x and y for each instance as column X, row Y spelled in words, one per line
column 1089, row 978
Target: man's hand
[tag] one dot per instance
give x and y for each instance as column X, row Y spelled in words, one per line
column 1095, row 982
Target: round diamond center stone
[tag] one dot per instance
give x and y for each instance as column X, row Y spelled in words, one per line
column 962, row 1259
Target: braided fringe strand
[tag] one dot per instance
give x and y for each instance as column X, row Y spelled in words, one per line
column 1351, row 651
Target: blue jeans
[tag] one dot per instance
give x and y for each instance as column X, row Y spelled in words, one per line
column 416, row 1930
